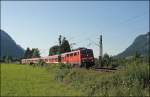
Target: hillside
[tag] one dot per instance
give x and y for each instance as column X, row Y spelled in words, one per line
column 139, row 45
column 9, row 46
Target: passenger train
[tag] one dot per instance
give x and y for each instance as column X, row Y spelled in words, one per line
column 81, row 57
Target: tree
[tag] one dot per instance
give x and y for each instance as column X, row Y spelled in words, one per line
column 106, row 60
column 54, row 50
column 3, row 59
column 35, row 53
column 137, row 54
column 27, row 53
column 64, row 47
column 8, row 59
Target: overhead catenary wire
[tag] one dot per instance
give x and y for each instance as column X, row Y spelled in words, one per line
column 132, row 18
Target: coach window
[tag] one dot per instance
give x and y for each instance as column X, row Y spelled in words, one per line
column 56, row 59
column 75, row 54
column 71, row 54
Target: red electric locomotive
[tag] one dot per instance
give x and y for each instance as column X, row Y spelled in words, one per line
column 82, row 57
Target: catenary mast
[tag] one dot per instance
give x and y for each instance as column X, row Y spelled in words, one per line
column 100, row 51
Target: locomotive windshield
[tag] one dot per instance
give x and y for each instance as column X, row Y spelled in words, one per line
column 87, row 52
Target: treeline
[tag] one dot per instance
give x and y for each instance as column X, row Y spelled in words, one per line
column 112, row 62
column 106, row 62
column 29, row 53
column 32, row 53
column 9, row 59
column 63, row 47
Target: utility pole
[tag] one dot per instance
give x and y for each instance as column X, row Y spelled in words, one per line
column 100, row 51
column 149, row 47
column 59, row 56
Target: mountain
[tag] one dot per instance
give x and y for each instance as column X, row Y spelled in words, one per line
column 139, row 45
column 9, row 47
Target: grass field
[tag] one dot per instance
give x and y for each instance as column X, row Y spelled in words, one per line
column 25, row 80
column 131, row 79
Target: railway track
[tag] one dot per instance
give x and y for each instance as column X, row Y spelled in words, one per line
column 105, row 69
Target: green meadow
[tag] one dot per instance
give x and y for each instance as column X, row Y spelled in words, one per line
column 130, row 79
column 25, row 80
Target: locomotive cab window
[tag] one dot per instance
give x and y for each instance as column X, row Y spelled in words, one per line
column 86, row 52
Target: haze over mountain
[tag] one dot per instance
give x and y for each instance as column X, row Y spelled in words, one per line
column 9, row 47
column 139, row 45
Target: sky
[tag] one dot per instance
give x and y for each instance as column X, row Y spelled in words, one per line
column 38, row 24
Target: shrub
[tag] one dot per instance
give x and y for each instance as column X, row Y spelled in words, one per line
column 62, row 71
column 41, row 63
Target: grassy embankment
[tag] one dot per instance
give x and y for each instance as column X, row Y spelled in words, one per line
column 132, row 79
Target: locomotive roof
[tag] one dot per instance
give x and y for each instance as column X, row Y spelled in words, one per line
column 81, row 48
column 76, row 50
column 50, row 56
